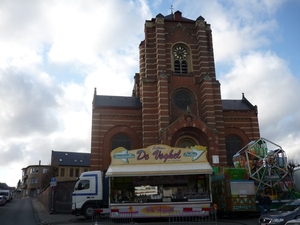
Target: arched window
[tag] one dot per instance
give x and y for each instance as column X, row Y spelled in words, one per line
column 180, row 57
column 233, row 145
column 121, row 140
column 186, row 142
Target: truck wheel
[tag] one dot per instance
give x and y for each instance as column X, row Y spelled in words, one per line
column 88, row 211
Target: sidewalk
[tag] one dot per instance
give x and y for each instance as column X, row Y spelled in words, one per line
column 46, row 218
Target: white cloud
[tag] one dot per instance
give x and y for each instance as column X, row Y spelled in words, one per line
column 237, row 26
column 44, row 46
column 85, row 31
column 27, row 102
column 267, row 82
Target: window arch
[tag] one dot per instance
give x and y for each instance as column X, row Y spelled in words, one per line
column 233, row 145
column 121, row 140
column 186, row 142
column 180, row 59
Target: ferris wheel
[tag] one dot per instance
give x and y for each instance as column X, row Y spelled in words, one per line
column 266, row 163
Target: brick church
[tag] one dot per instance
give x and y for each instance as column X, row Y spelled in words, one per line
column 176, row 99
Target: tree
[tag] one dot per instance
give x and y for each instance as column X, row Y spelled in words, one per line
column 19, row 184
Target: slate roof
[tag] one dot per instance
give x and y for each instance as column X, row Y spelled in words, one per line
column 70, row 159
column 117, row 101
column 134, row 102
column 171, row 17
column 242, row 104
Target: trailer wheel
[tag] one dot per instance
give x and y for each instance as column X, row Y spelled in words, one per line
column 88, row 211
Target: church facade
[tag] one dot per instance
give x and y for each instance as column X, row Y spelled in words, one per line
column 176, row 99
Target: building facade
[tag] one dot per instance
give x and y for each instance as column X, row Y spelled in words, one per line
column 69, row 165
column 176, row 98
column 32, row 179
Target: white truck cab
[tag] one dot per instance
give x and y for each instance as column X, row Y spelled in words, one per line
column 90, row 193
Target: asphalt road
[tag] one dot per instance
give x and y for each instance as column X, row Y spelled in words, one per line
column 28, row 211
column 18, row 211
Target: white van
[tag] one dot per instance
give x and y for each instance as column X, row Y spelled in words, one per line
column 6, row 194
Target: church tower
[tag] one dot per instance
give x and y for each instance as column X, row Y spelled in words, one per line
column 180, row 95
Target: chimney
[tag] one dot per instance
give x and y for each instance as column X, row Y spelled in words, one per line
column 39, row 162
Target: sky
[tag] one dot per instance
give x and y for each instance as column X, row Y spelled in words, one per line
column 53, row 53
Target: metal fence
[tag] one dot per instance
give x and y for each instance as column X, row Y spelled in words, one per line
column 194, row 216
column 101, row 216
column 205, row 216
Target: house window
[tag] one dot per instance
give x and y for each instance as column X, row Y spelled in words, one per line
column 180, row 57
column 34, row 171
column 62, row 172
column 33, row 180
column 71, row 172
column 233, row 145
column 121, row 140
column 76, row 172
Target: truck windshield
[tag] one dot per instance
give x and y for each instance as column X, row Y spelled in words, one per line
column 83, row 184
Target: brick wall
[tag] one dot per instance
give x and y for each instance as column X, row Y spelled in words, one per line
column 62, row 197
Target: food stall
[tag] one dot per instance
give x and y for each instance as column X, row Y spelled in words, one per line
column 159, row 180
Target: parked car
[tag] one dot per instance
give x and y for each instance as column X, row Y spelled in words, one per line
column 288, row 211
column 2, row 200
column 293, row 222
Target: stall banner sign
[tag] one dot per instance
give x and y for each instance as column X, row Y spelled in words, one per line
column 159, row 210
column 159, row 154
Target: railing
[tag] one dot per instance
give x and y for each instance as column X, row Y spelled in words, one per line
column 194, row 215
column 207, row 216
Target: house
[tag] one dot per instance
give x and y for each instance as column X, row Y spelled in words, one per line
column 69, row 165
column 32, row 179
column 66, row 167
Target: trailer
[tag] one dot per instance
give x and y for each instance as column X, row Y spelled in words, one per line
column 233, row 192
column 155, row 182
